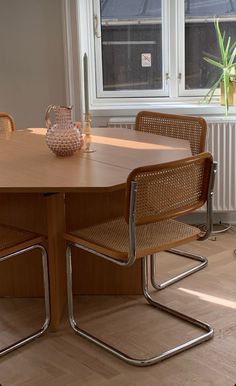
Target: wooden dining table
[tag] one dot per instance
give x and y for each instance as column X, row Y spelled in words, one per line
column 48, row 194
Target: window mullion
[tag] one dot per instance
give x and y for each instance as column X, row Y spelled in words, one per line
column 172, row 39
column 166, row 71
column 180, row 43
column 98, row 47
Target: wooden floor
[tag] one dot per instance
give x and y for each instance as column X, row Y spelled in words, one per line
column 62, row 358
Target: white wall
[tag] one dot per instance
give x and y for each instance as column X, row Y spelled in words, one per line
column 32, row 73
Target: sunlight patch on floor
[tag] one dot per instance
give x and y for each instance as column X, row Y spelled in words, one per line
column 210, row 298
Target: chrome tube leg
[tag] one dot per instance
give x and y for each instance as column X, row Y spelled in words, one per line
column 203, row 260
column 198, row 323
column 159, row 286
column 82, row 332
column 46, row 288
column 111, row 349
column 46, row 323
column 69, row 287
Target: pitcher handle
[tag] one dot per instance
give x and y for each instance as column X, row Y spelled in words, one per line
column 47, row 116
column 53, row 107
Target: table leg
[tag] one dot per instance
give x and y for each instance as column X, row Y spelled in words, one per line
column 56, row 256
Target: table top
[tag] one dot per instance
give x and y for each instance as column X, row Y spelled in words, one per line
column 27, row 164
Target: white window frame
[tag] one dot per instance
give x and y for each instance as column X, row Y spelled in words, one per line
column 100, row 93
column 183, row 92
column 78, row 39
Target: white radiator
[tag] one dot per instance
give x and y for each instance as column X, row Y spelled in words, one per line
column 221, row 142
column 125, row 122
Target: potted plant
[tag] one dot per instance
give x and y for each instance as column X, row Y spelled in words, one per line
column 227, row 65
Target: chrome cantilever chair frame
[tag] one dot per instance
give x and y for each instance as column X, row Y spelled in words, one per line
column 208, row 330
column 203, row 260
column 46, row 322
column 111, row 349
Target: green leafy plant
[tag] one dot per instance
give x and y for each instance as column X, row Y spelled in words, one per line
column 226, row 64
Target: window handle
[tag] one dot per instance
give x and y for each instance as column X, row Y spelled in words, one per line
column 167, row 76
column 96, row 24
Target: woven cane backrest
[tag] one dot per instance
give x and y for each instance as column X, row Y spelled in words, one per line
column 171, row 189
column 6, row 122
column 185, row 127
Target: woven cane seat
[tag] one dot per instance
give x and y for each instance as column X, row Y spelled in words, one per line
column 6, row 122
column 112, row 238
column 163, row 192
column 12, row 239
column 185, row 127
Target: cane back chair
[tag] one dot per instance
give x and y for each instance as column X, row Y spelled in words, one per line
column 6, row 122
column 13, row 243
column 193, row 129
column 155, row 195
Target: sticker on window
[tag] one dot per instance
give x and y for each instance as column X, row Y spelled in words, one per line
column 146, row 60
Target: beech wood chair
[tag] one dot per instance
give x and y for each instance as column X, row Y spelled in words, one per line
column 6, row 122
column 13, row 243
column 193, row 129
column 155, row 195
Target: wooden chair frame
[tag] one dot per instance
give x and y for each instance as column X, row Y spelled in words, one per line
column 175, row 126
column 10, row 119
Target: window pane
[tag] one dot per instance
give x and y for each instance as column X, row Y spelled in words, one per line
column 131, row 44
column 200, row 38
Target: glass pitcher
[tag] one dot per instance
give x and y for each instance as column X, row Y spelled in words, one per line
column 63, row 136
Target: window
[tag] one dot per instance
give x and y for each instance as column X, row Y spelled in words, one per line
column 155, row 48
column 200, row 40
column 131, row 47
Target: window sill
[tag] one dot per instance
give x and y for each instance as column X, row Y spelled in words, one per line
column 127, row 108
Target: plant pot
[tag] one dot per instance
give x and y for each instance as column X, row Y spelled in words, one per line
column 232, row 94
